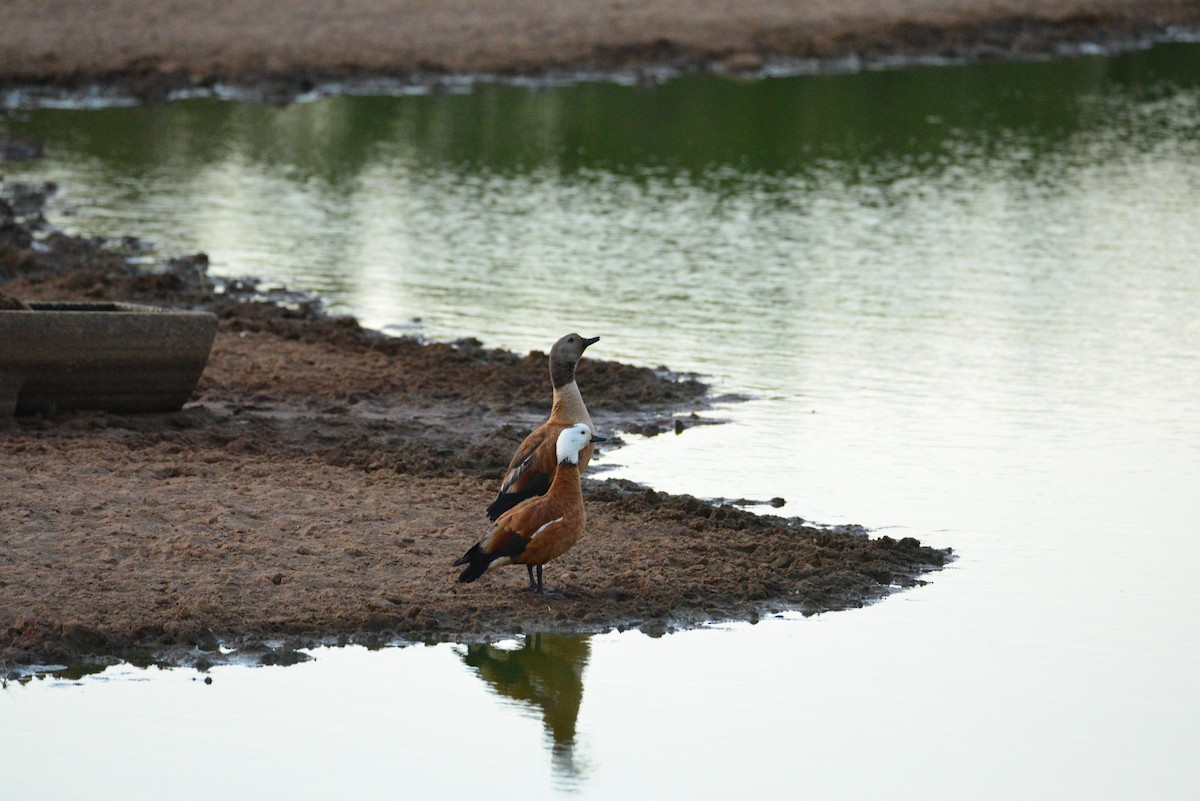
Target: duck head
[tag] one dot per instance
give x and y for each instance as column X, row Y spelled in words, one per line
column 573, row 439
column 565, row 355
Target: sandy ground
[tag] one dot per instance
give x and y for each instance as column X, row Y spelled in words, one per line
column 324, row 479
column 156, row 45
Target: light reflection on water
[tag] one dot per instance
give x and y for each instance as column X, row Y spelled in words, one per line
column 965, row 300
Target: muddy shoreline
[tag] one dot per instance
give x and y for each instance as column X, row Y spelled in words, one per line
column 323, row 478
column 143, row 49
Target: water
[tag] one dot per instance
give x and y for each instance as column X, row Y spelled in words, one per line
column 964, row 302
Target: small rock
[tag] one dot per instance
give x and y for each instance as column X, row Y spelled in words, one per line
column 654, row 627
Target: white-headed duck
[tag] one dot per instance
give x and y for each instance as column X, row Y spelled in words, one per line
column 540, row 528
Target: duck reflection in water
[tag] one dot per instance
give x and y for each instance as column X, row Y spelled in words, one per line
column 546, row 673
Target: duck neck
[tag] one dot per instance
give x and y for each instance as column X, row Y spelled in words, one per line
column 568, row 406
column 566, row 480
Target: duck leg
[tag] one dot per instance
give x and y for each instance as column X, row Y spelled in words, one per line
column 545, row 593
column 534, row 586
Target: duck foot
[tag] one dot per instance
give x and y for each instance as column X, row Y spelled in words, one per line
column 539, row 588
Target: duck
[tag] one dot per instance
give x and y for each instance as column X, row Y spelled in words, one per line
column 532, row 466
column 540, row 528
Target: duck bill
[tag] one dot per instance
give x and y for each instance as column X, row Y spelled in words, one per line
column 592, row 341
column 598, row 438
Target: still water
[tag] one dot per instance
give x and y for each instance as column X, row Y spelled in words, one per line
column 964, row 303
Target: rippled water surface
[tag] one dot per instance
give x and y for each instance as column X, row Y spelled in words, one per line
column 965, row 302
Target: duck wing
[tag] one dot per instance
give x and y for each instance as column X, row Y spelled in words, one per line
column 509, row 536
column 529, row 473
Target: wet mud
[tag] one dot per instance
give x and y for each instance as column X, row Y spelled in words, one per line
column 151, row 50
column 323, row 479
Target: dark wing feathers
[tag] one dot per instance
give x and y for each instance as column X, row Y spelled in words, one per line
column 537, row 484
column 521, row 462
column 522, row 480
column 502, row 542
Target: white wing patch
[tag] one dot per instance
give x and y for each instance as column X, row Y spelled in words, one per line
column 544, row 526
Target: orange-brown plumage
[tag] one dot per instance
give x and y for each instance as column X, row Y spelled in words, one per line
column 532, row 468
column 541, row 528
column 548, row 525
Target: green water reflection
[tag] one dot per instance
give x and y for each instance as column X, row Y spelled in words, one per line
column 692, row 125
column 827, row 192
column 546, row 675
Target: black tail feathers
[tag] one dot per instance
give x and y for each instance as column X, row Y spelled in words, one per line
column 474, row 571
column 476, row 562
